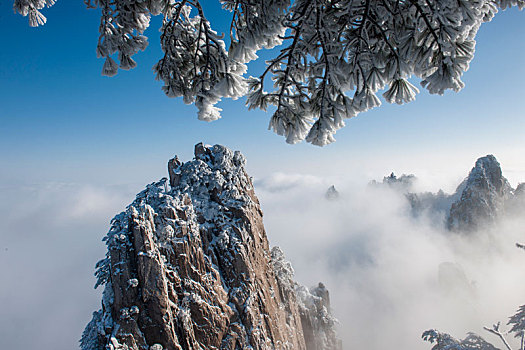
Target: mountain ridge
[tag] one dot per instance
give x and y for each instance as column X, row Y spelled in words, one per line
column 478, row 200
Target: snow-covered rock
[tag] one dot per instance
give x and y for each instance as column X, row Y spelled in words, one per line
column 477, row 201
column 482, row 195
column 403, row 183
column 189, row 267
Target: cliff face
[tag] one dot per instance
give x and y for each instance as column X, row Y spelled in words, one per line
column 480, row 197
column 189, row 267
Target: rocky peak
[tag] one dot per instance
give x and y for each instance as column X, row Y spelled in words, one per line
column 480, row 196
column 331, row 193
column 487, row 175
column 403, row 183
column 520, row 190
column 189, row 266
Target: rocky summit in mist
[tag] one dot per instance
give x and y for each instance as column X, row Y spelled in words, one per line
column 478, row 201
column 483, row 195
column 189, row 266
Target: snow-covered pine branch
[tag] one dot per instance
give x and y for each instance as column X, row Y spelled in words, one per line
column 335, row 57
column 517, row 323
column 30, row 8
column 444, row 341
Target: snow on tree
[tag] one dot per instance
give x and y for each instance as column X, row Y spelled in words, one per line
column 335, row 56
column 443, row 341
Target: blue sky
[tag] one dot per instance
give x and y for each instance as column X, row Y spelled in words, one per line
column 61, row 116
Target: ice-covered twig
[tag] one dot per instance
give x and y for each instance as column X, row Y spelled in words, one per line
column 495, row 330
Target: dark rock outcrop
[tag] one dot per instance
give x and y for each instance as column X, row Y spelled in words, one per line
column 482, row 196
column 189, row 267
column 331, row 193
column 519, row 192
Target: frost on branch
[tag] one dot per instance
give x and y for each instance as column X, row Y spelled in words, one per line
column 196, row 65
column 30, row 8
column 335, row 56
column 517, row 323
column 339, row 54
column 443, row 341
column 255, row 25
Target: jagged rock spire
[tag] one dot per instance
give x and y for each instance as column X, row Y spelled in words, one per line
column 483, row 194
column 189, row 267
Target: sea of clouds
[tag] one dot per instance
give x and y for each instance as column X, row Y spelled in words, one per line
column 390, row 276
column 50, row 241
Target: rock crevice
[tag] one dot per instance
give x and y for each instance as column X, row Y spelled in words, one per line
column 189, row 267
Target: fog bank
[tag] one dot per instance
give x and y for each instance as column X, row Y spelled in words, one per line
column 392, row 276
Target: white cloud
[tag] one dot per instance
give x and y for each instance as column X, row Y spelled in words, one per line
column 50, row 241
column 382, row 266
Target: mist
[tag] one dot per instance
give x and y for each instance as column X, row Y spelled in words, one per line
column 392, row 276
column 50, row 241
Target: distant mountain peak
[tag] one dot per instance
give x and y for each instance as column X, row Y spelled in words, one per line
column 480, row 196
column 332, row 193
column 403, row 183
column 487, row 174
column 477, row 202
